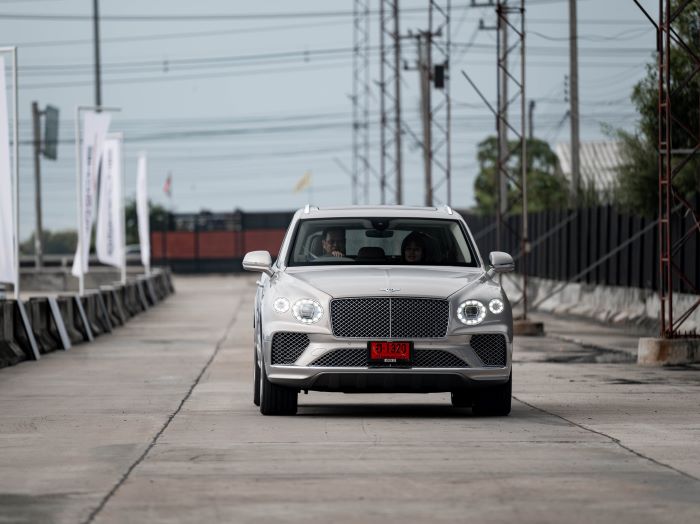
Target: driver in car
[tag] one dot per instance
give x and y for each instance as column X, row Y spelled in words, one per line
column 333, row 242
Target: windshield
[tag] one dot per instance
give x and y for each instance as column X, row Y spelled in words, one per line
column 381, row 241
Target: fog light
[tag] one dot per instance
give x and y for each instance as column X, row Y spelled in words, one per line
column 281, row 305
column 496, row 306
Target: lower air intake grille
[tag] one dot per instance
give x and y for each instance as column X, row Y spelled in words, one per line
column 288, row 347
column 491, row 349
column 343, row 358
column 426, row 358
column 437, row 359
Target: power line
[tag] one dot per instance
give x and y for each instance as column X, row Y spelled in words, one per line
column 178, row 35
column 225, row 17
column 305, row 54
column 209, row 17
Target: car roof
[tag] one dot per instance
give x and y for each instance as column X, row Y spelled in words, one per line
column 376, row 211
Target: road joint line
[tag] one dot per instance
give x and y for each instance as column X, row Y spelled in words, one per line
column 611, row 438
column 219, row 343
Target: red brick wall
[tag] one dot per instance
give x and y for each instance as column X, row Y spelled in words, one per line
column 188, row 245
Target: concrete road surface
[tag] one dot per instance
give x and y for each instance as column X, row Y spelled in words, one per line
column 156, row 424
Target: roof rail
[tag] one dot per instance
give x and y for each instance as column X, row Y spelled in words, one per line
column 448, row 210
column 307, row 208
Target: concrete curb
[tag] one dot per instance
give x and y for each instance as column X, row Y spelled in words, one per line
column 668, row 352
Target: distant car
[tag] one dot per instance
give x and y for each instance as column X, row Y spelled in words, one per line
column 381, row 299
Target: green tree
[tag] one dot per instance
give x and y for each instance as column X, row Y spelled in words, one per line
column 61, row 242
column 637, row 183
column 158, row 218
column 547, row 188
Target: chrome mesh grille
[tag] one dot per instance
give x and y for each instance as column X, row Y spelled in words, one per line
column 360, row 317
column 357, row 357
column 491, row 349
column 288, row 347
column 390, row 317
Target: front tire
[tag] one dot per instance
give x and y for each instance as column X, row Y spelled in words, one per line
column 256, row 379
column 274, row 399
column 494, row 401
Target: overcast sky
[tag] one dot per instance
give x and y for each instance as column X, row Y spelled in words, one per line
column 289, row 112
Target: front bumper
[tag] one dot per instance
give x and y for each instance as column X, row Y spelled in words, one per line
column 473, row 374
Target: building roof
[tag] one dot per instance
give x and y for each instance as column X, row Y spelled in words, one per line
column 599, row 161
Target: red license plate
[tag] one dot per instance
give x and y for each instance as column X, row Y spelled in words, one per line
column 390, row 353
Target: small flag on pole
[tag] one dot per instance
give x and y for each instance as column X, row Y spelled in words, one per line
column 303, row 183
column 167, row 187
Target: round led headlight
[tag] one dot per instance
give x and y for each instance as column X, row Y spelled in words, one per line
column 471, row 312
column 307, row 311
column 496, row 306
column 281, row 305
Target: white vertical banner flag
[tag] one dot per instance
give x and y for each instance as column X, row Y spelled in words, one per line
column 142, row 212
column 8, row 252
column 109, row 238
column 95, row 126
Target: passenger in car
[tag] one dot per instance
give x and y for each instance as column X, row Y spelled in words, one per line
column 413, row 248
column 333, row 242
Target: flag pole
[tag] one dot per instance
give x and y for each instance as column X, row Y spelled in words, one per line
column 15, row 146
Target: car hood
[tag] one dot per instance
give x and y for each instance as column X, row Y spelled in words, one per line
column 374, row 281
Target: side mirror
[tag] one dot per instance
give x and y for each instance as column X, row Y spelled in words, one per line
column 501, row 262
column 258, row 261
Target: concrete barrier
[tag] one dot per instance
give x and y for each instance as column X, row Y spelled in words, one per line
column 668, row 352
column 58, row 326
column 90, row 307
column 113, row 304
column 38, row 310
column 149, row 288
column 71, row 320
column 102, row 313
column 131, row 302
column 169, row 280
column 141, row 293
column 96, row 312
column 160, row 286
column 48, row 323
column 24, row 335
column 81, row 320
column 10, row 351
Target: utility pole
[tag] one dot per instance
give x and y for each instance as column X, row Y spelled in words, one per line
column 360, row 102
column 390, row 129
column 432, row 65
column 424, row 68
column 96, row 33
column 502, row 81
column 573, row 88
column 38, row 233
column 397, row 110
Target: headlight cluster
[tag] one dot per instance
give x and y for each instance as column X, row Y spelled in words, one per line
column 473, row 312
column 306, row 310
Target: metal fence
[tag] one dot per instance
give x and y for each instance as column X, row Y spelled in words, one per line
column 596, row 245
